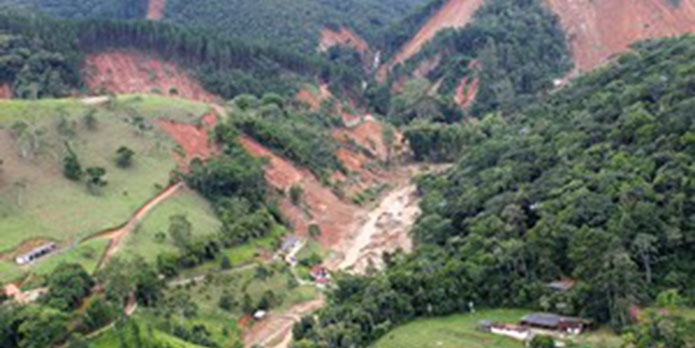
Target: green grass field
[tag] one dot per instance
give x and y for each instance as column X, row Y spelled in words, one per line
column 109, row 338
column 462, row 331
column 38, row 202
column 455, row 331
column 143, row 241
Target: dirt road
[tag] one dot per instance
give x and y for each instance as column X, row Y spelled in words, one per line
column 275, row 331
column 118, row 234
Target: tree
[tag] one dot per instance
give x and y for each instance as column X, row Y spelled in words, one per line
column 180, row 231
column 296, row 194
column 42, row 327
column 542, row 341
column 96, row 178
column 124, row 157
column 68, row 284
column 226, row 264
column 71, row 167
column 99, row 313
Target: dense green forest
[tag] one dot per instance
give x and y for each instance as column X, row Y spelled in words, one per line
column 295, row 24
column 595, row 183
column 396, row 35
column 84, row 8
column 520, row 46
column 226, row 66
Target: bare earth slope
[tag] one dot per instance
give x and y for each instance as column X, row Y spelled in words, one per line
column 599, row 29
column 454, row 14
column 155, row 9
column 345, row 37
column 135, row 72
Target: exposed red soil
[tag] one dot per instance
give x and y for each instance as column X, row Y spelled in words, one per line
column 598, row 30
column 454, row 14
column 194, row 139
column 5, row 91
column 342, row 37
column 468, row 87
column 314, row 100
column 155, row 9
column 123, row 71
column 320, row 205
column 367, row 134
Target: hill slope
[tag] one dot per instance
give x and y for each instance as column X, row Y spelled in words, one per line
column 597, row 30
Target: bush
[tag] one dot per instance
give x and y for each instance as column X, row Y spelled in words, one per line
column 124, row 157
column 542, row 341
column 296, row 194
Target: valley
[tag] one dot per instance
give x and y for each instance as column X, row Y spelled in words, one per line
column 444, row 173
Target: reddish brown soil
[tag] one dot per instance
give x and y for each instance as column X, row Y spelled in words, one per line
column 454, row 14
column 155, row 10
column 320, row 205
column 598, row 30
column 343, row 37
column 468, row 88
column 5, row 91
column 368, row 134
column 136, row 72
column 194, row 139
column 314, row 100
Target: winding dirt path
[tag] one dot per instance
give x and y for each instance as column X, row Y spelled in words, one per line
column 276, row 329
column 118, row 234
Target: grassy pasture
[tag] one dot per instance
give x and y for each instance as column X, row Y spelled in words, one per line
column 143, row 241
column 38, row 202
column 109, row 338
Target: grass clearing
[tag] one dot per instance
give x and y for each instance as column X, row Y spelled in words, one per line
column 109, row 338
column 452, row 332
column 38, row 202
column 144, row 241
column 461, row 330
column 87, row 254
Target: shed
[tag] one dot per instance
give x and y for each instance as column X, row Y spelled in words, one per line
column 549, row 321
column 35, row 253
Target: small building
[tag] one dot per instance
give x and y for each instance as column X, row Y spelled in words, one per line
column 259, row 315
column 289, row 242
column 320, row 274
column 554, row 322
column 36, row 253
column 510, row 330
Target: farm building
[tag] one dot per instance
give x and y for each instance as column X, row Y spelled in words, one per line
column 510, row 330
column 554, row 322
column 320, row 274
column 35, row 253
column 289, row 242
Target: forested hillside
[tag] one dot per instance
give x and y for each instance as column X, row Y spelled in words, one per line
column 518, row 48
column 595, row 183
column 225, row 66
column 84, row 8
column 295, row 24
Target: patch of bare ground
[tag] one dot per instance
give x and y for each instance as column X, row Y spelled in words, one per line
column 453, row 14
column 275, row 331
column 193, row 139
column 126, row 71
column 5, row 91
column 597, row 30
column 342, row 37
column 155, row 9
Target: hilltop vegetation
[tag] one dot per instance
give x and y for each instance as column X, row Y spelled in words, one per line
column 84, row 8
column 595, row 184
column 519, row 46
column 296, row 24
column 225, row 66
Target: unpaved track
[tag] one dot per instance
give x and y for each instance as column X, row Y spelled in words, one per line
column 276, row 329
column 453, row 14
column 117, row 235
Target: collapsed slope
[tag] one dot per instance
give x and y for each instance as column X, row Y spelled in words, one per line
column 597, row 30
column 453, row 14
column 124, row 71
